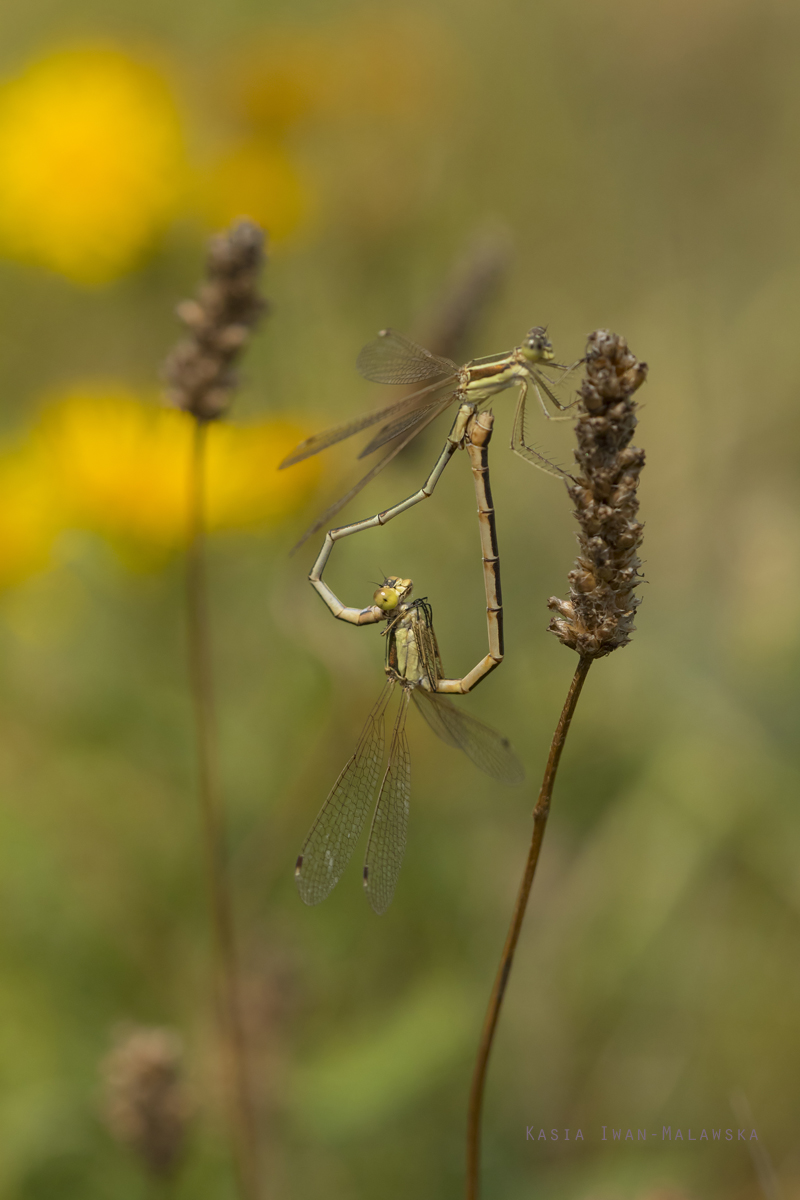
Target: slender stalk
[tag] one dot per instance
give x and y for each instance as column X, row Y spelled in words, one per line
column 540, row 815
column 228, row 999
column 596, row 619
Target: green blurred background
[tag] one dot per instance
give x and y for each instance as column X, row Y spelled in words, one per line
column 643, row 162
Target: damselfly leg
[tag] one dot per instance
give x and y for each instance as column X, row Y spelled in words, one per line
column 521, row 447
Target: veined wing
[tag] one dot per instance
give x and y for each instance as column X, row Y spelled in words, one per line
column 387, row 837
column 487, row 748
column 427, row 646
column 337, row 433
column 326, row 518
column 400, row 425
column 330, row 844
column 392, row 358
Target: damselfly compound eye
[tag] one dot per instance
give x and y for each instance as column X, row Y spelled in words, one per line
column 386, row 598
column 392, row 591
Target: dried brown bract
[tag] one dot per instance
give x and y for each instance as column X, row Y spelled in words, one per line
column 598, row 616
column 145, row 1105
column 199, row 371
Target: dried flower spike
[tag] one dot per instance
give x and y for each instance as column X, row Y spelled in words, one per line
column 199, row 371
column 145, row 1104
column 598, row 616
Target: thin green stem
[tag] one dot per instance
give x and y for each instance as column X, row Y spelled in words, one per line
column 540, row 815
column 228, row 999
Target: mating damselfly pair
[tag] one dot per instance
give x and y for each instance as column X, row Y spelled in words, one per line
column 412, row 656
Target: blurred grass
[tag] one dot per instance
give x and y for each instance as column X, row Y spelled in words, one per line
column 644, row 160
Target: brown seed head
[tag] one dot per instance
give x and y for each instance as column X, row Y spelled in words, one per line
column 199, row 371
column 145, row 1105
column 598, row 616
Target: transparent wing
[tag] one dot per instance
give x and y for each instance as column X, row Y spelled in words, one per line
column 428, row 649
column 387, row 837
column 330, row 844
column 337, row 433
column 392, row 358
column 400, row 425
column 487, row 748
column 324, row 521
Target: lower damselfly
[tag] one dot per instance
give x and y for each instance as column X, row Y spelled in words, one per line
column 413, row 665
column 394, row 359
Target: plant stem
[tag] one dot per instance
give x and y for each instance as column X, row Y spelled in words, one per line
column 239, row 1093
column 540, row 815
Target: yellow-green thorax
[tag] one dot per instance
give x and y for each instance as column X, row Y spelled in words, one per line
column 408, row 665
column 482, row 377
column 412, row 655
column 403, row 658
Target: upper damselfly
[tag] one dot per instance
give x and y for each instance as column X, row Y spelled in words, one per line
column 394, row 359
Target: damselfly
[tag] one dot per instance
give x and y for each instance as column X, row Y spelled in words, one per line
column 413, row 663
column 394, row 359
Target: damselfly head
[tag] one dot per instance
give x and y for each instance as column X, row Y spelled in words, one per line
column 537, row 346
column 392, row 591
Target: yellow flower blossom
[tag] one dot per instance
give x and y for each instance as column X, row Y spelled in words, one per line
column 281, row 80
column 363, row 88
column 119, row 465
column 28, row 515
column 256, row 178
column 92, row 163
column 382, row 65
column 107, row 462
column 120, row 468
column 245, row 487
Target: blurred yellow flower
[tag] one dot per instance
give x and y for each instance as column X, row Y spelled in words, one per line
column 244, row 485
column 120, row 468
column 107, row 462
column 281, row 79
column 92, row 162
column 378, row 64
column 119, row 465
column 357, row 93
column 256, row 178
column 28, row 518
